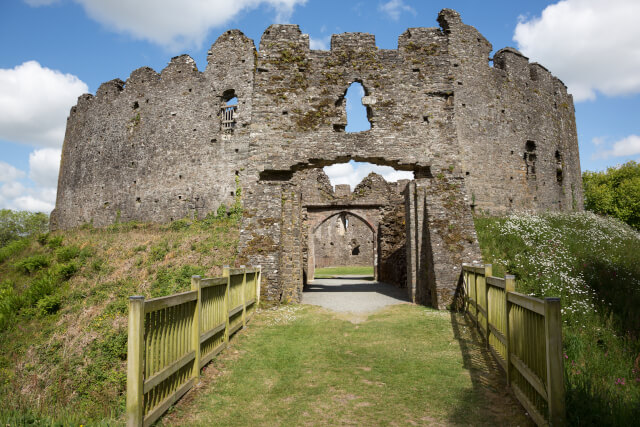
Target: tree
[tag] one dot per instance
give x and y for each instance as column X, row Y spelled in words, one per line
column 615, row 192
column 17, row 224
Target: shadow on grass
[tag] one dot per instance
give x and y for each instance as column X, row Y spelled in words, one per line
column 494, row 401
column 350, row 284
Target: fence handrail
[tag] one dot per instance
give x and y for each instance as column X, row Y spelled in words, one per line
column 172, row 337
column 524, row 334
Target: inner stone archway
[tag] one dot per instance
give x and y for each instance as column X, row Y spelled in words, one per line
column 342, row 239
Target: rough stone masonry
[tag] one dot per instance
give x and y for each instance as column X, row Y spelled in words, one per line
column 486, row 134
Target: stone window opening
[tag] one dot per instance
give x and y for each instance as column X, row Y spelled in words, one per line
column 559, row 168
column 229, row 111
column 356, row 250
column 358, row 113
column 530, row 158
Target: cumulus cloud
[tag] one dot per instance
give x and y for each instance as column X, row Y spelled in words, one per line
column 353, row 172
column 35, row 103
column 44, row 166
column 37, row 195
column 174, row 24
column 628, row 146
column 9, row 173
column 394, row 9
column 592, row 45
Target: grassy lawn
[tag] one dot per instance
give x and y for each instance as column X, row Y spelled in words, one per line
column 328, row 272
column 301, row 365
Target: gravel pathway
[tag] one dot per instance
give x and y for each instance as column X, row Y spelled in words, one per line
column 353, row 294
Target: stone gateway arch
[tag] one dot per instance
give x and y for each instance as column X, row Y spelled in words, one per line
column 486, row 134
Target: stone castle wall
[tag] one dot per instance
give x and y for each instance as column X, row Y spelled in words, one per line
column 152, row 148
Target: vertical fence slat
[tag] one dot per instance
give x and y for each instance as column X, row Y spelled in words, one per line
column 488, row 268
column 555, row 371
column 195, row 337
column 227, row 303
column 509, row 286
column 135, row 361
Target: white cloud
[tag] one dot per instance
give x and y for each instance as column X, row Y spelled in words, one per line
column 319, row 44
column 628, row 146
column 592, row 45
column 394, row 9
column 9, row 173
column 176, row 24
column 11, row 190
column 37, row 3
column 44, row 165
column 598, row 140
column 353, row 172
column 39, row 195
column 35, row 103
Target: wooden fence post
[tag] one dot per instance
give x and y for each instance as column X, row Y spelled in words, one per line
column 244, row 294
column 475, row 295
column 555, row 370
column 509, row 286
column 135, row 362
column 225, row 273
column 195, row 336
column 258, row 281
column 488, row 271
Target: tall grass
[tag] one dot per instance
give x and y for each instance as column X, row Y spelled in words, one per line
column 593, row 264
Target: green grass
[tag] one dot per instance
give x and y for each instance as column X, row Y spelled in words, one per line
column 328, row 272
column 63, row 305
column 300, row 365
column 593, row 264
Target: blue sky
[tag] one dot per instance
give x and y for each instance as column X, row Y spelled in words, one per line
column 55, row 50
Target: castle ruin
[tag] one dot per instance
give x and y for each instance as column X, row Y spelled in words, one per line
column 478, row 136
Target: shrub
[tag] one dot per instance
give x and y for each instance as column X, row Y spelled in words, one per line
column 67, row 253
column 18, row 224
column 39, row 288
column 32, row 264
column 55, row 242
column 180, row 224
column 615, row 192
column 66, row 271
column 49, row 304
column 13, row 248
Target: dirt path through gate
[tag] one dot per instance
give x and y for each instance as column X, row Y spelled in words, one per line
column 303, row 365
column 353, row 294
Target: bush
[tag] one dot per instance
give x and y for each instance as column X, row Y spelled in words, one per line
column 615, row 192
column 55, row 242
column 13, row 248
column 18, row 224
column 49, row 304
column 41, row 287
column 67, row 253
column 32, row 264
column 66, row 271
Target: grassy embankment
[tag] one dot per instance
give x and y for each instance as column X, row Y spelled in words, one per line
column 328, row 272
column 63, row 305
column 593, row 264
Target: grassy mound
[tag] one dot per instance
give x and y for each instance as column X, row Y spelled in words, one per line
column 593, row 264
column 63, row 306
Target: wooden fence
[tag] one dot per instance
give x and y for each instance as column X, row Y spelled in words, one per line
column 525, row 336
column 171, row 338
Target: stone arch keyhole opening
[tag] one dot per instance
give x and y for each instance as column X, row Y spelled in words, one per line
column 358, row 114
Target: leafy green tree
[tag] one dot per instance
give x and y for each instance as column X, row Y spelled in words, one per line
column 17, row 224
column 615, row 192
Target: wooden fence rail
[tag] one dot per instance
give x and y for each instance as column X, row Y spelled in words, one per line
column 525, row 336
column 171, row 338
